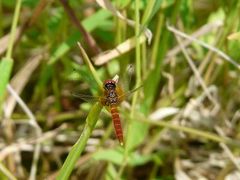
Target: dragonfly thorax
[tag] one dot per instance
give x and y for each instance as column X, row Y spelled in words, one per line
column 111, row 98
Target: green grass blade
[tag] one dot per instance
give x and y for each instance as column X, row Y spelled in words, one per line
column 152, row 8
column 78, row 148
column 192, row 131
column 136, row 133
column 5, row 69
column 90, row 66
column 154, row 76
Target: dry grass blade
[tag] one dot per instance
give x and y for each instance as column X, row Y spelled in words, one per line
column 214, row 49
column 234, row 36
column 121, row 49
column 5, row 39
column 34, row 124
column 227, row 150
column 200, row 32
column 15, row 147
column 163, row 113
column 179, row 173
column 196, row 72
column 20, row 80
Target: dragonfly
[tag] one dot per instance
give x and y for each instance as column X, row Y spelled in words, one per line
column 112, row 96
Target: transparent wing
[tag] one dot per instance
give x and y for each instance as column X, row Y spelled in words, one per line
column 86, row 97
column 130, row 93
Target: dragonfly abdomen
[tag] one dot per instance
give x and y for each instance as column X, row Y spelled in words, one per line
column 117, row 124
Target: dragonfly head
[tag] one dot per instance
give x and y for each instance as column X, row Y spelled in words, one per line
column 109, row 84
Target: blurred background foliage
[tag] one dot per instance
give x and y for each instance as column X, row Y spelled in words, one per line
column 184, row 122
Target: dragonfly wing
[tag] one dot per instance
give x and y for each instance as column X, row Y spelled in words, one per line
column 129, row 93
column 87, row 98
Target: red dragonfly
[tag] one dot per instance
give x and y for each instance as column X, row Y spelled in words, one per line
column 112, row 97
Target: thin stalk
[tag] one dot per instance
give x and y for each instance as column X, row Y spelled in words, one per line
column 204, row 134
column 138, row 83
column 138, row 65
column 6, row 172
column 137, row 54
column 13, row 29
column 90, row 66
column 138, row 49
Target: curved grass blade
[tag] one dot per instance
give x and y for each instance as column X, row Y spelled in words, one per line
column 79, row 146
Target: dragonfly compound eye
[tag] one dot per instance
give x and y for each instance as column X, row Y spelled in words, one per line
column 110, row 84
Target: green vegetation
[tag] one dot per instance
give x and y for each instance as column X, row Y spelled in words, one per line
column 183, row 122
